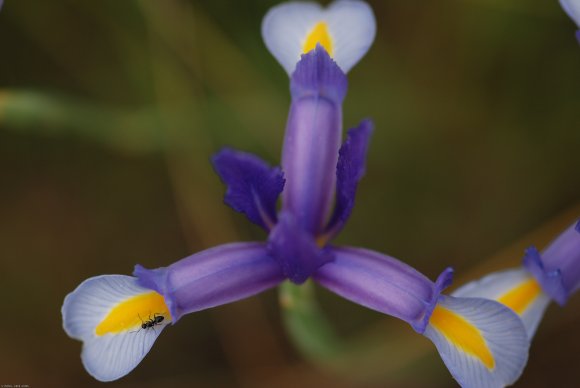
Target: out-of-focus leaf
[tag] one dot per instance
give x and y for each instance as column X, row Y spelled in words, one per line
column 308, row 327
column 47, row 114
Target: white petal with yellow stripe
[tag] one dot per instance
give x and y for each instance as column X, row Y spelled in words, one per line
column 346, row 29
column 117, row 320
column 515, row 288
column 482, row 343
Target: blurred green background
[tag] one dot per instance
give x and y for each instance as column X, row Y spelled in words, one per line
column 110, row 110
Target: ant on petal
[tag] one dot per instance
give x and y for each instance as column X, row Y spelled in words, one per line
column 150, row 323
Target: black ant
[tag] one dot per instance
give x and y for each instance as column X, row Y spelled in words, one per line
column 151, row 323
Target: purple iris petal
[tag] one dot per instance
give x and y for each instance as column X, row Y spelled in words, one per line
column 558, row 267
column 213, row 277
column 295, row 250
column 384, row 284
column 253, row 187
column 349, row 171
column 313, row 135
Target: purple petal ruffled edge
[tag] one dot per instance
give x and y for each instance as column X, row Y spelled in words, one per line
column 550, row 280
column 253, row 187
column 317, row 74
column 349, row 171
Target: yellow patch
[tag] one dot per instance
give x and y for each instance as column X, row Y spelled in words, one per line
column 519, row 298
column 319, row 34
column 132, row 312
column 463, row 334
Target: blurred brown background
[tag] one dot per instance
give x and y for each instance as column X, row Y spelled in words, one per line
column 110, row 110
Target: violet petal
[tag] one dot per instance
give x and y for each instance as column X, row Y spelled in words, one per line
column 213, row 277
column 549, row 278
column 253, row 187
column 349, row 171
column 312, row 141
column 383, row 283
column 558, row 267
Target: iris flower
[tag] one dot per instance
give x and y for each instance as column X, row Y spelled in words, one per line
column 482, row 342
column 553, row 275
column 572, row 8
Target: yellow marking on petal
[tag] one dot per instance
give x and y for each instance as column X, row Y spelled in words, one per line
column 132, row 312
column 319, row 34
column 462, row 334
column 519, row 298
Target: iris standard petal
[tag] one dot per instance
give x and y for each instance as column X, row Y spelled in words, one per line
column 312, row 140
column 515, row 288
column 253, row 187
column 349, row 171
column 382, row 283
column 295, row 250
column 118, row 322
column 482, row 342
column 346, row 29
column 213, row 277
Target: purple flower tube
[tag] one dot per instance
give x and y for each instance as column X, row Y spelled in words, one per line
column 384, row 284
column 212, row 277
column 313, row 137
column 557, row 268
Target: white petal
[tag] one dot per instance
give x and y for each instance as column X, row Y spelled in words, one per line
column 85, row 307
column 531, row 303
column 110, row 356
column 503, row 334
column 351, row 25
column 572, row 8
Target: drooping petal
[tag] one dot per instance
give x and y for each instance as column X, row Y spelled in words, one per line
column 572, row 8
column 295, row 250
column 253, row 187
column 382, row 283
column 346, row 29
column 213, row 277
column 107, row 313
column 312, row 141
column 349, row 171
column 482, row 342
column 514, row 288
